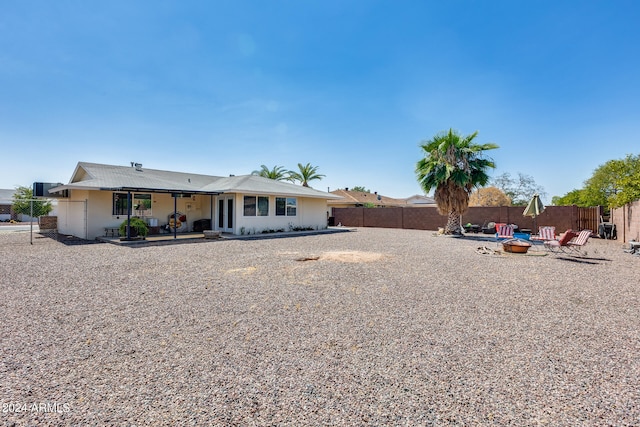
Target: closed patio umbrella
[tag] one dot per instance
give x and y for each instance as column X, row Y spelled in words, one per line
column 533, row 209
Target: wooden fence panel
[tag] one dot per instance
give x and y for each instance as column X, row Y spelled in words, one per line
column 589, row 218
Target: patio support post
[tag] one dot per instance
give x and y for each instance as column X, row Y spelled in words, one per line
column 128, row 215
column 175, row 216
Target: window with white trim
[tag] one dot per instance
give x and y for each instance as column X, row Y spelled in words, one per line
column 286, row 206
column 141, row 204
column 256, row 206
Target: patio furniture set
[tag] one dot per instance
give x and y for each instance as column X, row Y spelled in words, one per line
column 568, row 242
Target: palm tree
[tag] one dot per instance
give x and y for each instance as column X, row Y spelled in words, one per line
column 278, row 173
column 454, row 166
column 307, row 173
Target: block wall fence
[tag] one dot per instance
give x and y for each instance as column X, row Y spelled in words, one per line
column 428, row 218
column 627, row 221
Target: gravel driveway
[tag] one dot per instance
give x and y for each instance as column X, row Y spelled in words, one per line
column 370, row 327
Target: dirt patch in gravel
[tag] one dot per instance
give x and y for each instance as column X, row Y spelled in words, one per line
column 351, row 256
column 242, row 271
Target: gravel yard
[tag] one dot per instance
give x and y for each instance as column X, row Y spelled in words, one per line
column 371, row 327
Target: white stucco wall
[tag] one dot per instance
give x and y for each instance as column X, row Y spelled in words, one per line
column 99, row 211
column 309, row 213
column 73, row 220
column 71, row 214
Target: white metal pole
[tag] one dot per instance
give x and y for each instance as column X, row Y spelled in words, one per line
column 31, row 219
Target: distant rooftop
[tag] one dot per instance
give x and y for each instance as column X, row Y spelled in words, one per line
column 362, row 197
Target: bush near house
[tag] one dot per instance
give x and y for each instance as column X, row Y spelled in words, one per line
column 138, row 228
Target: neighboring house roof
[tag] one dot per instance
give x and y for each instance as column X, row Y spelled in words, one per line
column 419, row 199
column 6, row 196
column 95, row 176
column 361, row 197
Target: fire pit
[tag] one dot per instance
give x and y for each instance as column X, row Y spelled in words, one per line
column 516, row 246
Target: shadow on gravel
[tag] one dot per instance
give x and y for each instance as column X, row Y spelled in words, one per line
column 583, row 260
column 270, row 236
column 147, row 243
column 478, row 238
column 66, row 240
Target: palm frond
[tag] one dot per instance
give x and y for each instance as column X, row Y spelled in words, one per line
column 305, row 174
column 453, row 164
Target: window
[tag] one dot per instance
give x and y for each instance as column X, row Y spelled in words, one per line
column 119, row 204
column 256, row 206
column 141, row 204
column 263, row 206
column 286, row 206
column 249, row 205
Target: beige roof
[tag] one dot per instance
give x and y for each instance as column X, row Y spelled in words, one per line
column 361, row 197
column 419, row 199
column 95, row 176
column 6, row 196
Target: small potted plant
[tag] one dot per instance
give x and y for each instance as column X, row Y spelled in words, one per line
column 138, row 228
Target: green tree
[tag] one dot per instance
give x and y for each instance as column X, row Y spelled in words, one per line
column 520, row 190
column 613, row 184
column 305, row 174
column 454, row 165
column 22, row 203
column 361, row 189
column 279, row 173
column 573, row 197
column 630, row 189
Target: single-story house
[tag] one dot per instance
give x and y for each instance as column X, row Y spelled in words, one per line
column 420, row 200
column 99, row 197
column 6, row 205
column 354, row 199
column 351, row 199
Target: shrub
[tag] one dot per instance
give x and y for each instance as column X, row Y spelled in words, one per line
column 137, row 224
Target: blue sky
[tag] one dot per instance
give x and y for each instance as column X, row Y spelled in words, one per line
column 222, row 87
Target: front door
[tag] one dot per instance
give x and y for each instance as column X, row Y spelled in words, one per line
column 225, row 214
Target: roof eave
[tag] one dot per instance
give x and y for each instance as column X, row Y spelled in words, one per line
column 279, row 193
column 132, row 189
column 163, row 190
